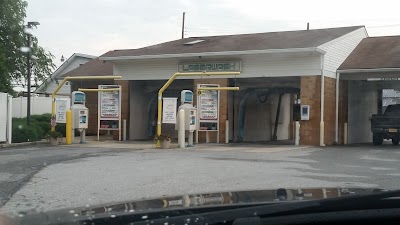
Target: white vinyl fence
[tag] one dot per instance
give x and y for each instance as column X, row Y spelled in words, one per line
column 5, row 117
column 39, row 105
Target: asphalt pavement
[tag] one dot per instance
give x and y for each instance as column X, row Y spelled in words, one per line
column 45, row 178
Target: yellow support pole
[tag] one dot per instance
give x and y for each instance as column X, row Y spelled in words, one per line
column 98, row 90
column 53, row 95
column 166, row 85
column 218, row 88
column 68, row 128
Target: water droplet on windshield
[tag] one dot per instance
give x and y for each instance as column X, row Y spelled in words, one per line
column 71, row 211
column 87, row 206
column 188, row 220
column 224, row 221
column 166, row 223
column 166, row 217
column 76, row 214
column 145, row 217
column 131, row 210
column 109, row 209
column 255, row 213
column 113, row 216
column 21, row 215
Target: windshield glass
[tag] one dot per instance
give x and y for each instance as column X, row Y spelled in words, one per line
column 106, row 104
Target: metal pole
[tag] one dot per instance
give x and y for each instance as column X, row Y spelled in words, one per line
column 227, row 132
column 28, row 64
column 124, row 137
column 9, row 118
column 181, row 128
column 278, row 111
column 183, row 26
column 297, row 133
column 68, row 128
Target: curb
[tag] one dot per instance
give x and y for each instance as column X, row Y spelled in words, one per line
column 23, row 144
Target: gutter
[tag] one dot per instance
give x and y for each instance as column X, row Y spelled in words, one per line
column 322, row 110
column 369, row 70
column 225, row 53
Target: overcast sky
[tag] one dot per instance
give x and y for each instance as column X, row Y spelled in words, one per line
column 97, row 26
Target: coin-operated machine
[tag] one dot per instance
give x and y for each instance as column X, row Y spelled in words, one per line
column 80, row 114
column 190, row 114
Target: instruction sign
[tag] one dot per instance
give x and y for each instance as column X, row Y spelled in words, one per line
column 208, row 103
column 169, row 110
column 109, row 102
column 62, row 105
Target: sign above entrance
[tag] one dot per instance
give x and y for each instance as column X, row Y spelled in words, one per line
column 383, row 79
column 209, row 66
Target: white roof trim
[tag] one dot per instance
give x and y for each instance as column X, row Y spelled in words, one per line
column 368, row 70
column 62, row 67
column 226, row 53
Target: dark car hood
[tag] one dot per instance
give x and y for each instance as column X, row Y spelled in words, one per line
column 199, row 200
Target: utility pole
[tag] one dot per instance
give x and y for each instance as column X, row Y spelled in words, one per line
column 183, row 26
column 28, row 65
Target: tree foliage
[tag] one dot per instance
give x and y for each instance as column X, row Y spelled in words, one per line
column 13, row 65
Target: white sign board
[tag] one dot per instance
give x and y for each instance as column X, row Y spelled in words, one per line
column 62, row 105
column 169, row 110
column 208, row 104
column 109, row 102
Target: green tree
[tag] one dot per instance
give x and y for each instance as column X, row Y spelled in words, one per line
column 13, row 67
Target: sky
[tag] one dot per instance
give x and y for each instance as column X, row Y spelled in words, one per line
column 96, row 26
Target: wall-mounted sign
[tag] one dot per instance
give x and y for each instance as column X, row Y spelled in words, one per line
column 62, row 105
column 209, row 66
column 169, row 110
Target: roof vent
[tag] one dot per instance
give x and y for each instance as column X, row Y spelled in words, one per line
column 193, row 42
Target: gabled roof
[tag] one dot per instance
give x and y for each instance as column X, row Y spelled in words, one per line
column 233, row 43
column 60, row 70
column 94, row 67
column 374, row 53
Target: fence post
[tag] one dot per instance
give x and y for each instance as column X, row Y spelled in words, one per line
column 9, row 119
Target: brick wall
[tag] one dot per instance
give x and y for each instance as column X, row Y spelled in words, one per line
column 92, row 102
column 124, row 106
column 310, row 94
column 223, row 108
column 330, row 110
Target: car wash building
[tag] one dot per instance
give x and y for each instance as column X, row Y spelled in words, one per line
column 368, row 81
column 279, row 72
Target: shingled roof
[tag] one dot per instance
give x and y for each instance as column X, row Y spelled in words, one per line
column 240, row 42
column 374, row 53
column 94, row 67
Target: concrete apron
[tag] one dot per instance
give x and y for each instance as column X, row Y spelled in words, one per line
column 150, row 145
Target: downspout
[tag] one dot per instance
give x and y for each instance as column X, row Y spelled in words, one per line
column 337, row 109
column 321, row 124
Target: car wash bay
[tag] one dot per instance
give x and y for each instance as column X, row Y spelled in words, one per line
column 365, row 94
column 251, row 112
